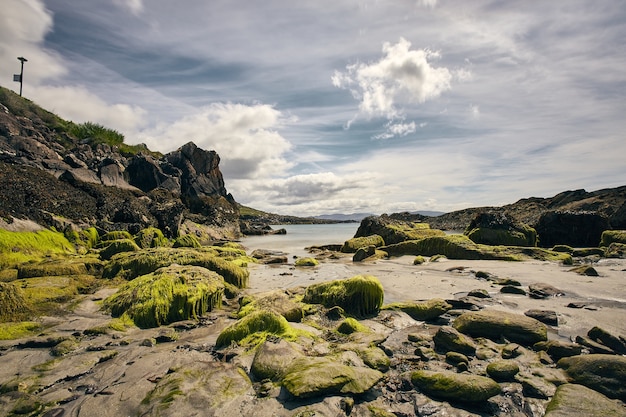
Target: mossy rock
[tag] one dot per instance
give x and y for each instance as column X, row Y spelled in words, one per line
column 132, row 265
column 455, row 387
column 587, row 270
column 503, row 370
column 254, row 329
column 558, row 349
column 375, row 358
column 186, row 241
column 48, row 295
column 418, row 260
column 448, row 339
column 563, row 248
column 603, row 373
column 273, row 359
column 616, row 250
column 613, row 236
column 118, row 246
column 151, row 237
column 498, row 229
column 19, row 247
column 168, row 295
column 361, row 295
column 306, row 262
column 573, row 400
column 278, row 301
column 424, row 311
column 451, row 246
column 495, row 325
column 116, row 235
column 13, row 304
column 17, row 330
column 352, row 245
column 51, row 268
column 317, row 377
column 351, row 325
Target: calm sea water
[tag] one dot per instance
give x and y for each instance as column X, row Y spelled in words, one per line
column 300, row 236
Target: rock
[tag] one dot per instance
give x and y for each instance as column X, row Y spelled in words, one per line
column 602, row 336
column 537, row 388
column 364, row 253
column 314, row 377
column 586, row 270
column 503, row 371
column 456, row 358
column 394, row 230
column 359, row 295
column 428, row 310
column 448, row 338
column 576, row 229
column 495, row 325
column 542, row 290
column 497, row 228
column 511, row 350
column 277, row 301
column 479, row 293
column 354, row 244
column 603, row 373
column 594, row 346
column 573, row 400
column 455, row 387
column 511, row 289
column 273, row 359
column 558, row 349
column 545, row 316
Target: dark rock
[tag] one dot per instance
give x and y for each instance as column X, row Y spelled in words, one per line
column 593, row 346
column 545, row 316
column 479, row 293
column 558, row 349
column 503, row 371
column 573, row 400
column 603, row 373
column 602, row 336
column 364, row 253
column 542, row 290
column 576, row 229
column 537, row 388
column 497, row 228
column 495, row 325
column 455, row 387
column 448, row 338
column 510, row 289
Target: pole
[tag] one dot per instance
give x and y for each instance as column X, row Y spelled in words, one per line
column 22, row 59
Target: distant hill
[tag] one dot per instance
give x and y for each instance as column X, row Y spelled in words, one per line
column 355, row 217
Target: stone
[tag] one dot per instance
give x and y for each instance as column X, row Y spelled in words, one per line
column 576, row 229
column 511, row 289
column 313, row 377
column 448, row 338
column 594, row 346
column 558, row 349
column 545, row 316
column 573, row 400
column 602, row 336
column 456, row 358
column 537, row 388
column 455, row 387
column 364, row 253
column 495, row 325
column 603, row 373
column 423, row 311
column 273, row 359
column 479, row 293
column 502, row 371
column 497, row 228
column 542, row 290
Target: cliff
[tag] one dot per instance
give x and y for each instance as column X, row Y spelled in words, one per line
column 57, row 173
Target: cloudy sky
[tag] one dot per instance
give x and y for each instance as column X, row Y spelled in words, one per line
column 345, row 106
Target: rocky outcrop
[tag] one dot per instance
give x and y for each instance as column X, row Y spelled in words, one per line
column 491, row 228
column 55, row 179
column 577, row 229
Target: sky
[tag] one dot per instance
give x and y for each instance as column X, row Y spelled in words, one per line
column 344, row 106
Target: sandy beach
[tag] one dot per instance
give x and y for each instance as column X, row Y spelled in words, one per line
column 603, row 298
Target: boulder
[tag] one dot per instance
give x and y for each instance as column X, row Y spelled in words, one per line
column 495, row 325
column 600, row 335
column 364, row 253
column 576, row 229
column 558, row 349
column 545, row 316
column 314, row 377
column 395, row 230
column 273, row 359
column 352, row 245
column 448, row 338
column 542, row 290
column 424, row 311
column 503, row 370
column 359, row 295
column 496, row 228
column 603, row 373
column 573, row 400
column 455, row 387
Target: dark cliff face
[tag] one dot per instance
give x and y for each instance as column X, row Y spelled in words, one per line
column 51, row 177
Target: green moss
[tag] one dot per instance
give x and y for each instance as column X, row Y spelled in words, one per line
column 48, row 268
column 13, row 304
column 121, row 323
column 616, row 250
column 168, row 295
column 65, row 347
column 187, row 241
column 19, row 247
column 613, row 236
column 419, row 259
column 17, row 330
column 306, row 262
column 49, row 295
column 119, row 246
column 151, row 237
column 132, row 265
column 8, row 275
column 436, row 258
column 277, row 301
column 428, row 310
column 524, row 236
column 116, row 235
column 361, row 295
column 455, row 387
column 255, row 327
column 352, row 245
column 414, row 230
column 563, row 248
column 351, row 325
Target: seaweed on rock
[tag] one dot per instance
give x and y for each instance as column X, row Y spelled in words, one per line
column 13, row 305
column 168, row 295
column 254, row 328
column 361, row 295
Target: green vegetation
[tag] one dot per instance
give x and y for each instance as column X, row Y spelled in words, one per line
column 20, row 247
column 133, row 264
column 359, row 295
column 48, row 295
column 419, row 259
column 168, row 295
column 95, row 133
column 17, row 330
column 52, row 267
column 427, row 310
column 415, row 230
column 306, row 262
column 354, row 244
column 351, row 325
column 13, row 304
column 151, row 238
column 186, row 241
column 613, row 236
column 254, row 328
column 455, row 387
column 119, row 246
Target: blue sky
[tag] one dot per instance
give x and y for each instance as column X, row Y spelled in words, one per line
column 348, row 105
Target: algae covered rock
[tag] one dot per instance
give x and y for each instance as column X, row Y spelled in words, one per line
column 118, row 246
column 359, row 295
column 394, row 230
column 504, row 370
column 313, row 377
column 273, row 359
column 451, row 246
column 499, row 229
column 573, row 400
column 455, row 387
column 423, row 311
column 449, row 339
column 306, row 262
column 350, row 325
column 254, row 329
column 603, row 373
column 354, row 244
column 277, row 301
column 13, row 306
column 495, row 325
column 151, row 237
column 168, row 295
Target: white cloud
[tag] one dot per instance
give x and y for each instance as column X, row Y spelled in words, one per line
column 401, row 77
column 397, row 129
column 133, row 6
column 245, row 137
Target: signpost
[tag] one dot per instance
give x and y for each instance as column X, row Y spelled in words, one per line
column 20, row 77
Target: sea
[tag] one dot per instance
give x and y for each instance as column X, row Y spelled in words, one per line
column 301, row 236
